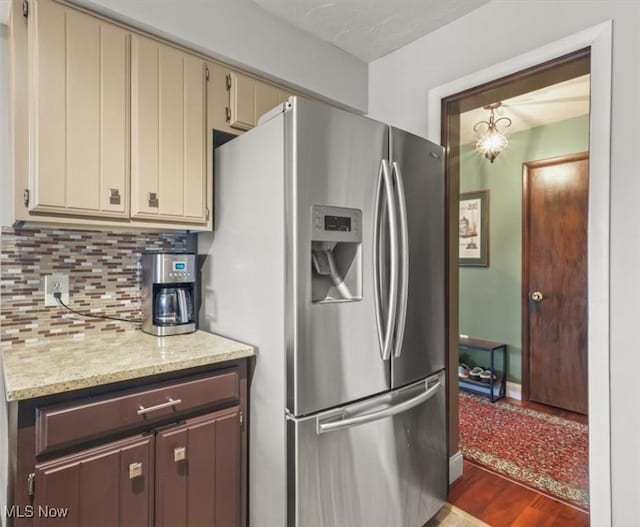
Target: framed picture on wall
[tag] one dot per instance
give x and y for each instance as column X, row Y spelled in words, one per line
column 474, row 229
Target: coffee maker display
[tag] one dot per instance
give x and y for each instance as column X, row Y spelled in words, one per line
column 168, row 287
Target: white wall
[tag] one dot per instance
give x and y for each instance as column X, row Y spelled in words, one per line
column 6, row 186
column 498, row 31
column 241, row 33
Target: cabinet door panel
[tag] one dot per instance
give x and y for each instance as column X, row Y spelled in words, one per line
column 83, row 112
column 266, row 99
column 169, row 152
column 172, row 132
column 96, row 488
column 204, row 487
column 195, row 140
column 228, row 478
column 48, row 157
column 79, row 127
column 242, row 102
column 283, row 96
column 144, row 124
column 115, row 120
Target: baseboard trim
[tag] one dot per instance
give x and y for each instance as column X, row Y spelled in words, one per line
column 455, row 467
column 514, row 390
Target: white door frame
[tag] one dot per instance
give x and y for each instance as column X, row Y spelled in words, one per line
column 599, row 39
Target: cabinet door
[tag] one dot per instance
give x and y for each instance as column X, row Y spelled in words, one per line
column 108, row 486
column 169, row 153
column 248, row 99
column 198, row 472
column 79, row 94
column 218, row 109
column 242, row 101
column 267, row 98
column 283, row 95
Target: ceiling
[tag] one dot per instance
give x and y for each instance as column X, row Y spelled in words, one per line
column 369, row 29
column 549, row 105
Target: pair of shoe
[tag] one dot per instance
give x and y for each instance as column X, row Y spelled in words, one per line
column 479, row 374
column 463, row 371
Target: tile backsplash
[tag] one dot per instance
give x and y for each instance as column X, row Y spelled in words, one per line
column 104, row 278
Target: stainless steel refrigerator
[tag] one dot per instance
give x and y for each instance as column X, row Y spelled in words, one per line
column 328, row 255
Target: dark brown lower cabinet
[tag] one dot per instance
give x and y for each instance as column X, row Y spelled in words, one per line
column 198, row 472
column 169, row 452
column 103, row 487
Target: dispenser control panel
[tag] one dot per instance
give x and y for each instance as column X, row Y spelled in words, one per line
column 336, row 224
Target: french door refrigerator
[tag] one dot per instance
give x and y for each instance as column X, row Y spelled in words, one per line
column 328, row 256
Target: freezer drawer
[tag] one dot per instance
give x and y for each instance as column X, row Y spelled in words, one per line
column 378, row 463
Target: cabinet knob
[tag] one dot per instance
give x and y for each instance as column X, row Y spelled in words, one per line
column 152, row 197
column 135, row 470
column 179, row 454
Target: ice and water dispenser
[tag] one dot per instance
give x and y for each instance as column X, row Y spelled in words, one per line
column 336, row 254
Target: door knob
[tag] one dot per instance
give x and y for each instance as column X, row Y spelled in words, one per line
column 536, row 296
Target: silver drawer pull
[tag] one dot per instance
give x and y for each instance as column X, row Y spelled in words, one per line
column 152, row 198
column 171, row 402
column 135, row 470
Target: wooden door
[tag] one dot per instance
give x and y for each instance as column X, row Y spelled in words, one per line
column 555, row 211
column 108, row 486
column 198, row 472
column 169, row 150
column 79, row 95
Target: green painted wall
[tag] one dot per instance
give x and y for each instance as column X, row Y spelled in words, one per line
column 490, row 297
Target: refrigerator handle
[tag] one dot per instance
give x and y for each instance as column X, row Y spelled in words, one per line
column 404, row 260
column 390, row 411
column 385, row 330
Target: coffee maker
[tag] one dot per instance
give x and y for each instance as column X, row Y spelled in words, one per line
column 168, row 293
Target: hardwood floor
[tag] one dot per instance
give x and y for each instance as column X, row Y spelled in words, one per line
column 502, row 503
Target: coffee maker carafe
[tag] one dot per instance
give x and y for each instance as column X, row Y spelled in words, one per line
column 168, row 287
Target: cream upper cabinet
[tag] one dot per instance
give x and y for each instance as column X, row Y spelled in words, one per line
column 79, row 117
column 218, row 99
column 168, row 136
column 249, row 99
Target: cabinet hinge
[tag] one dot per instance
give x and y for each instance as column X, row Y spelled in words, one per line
column 25, row 8
column 31, row 484
column 228, row 82
column 26, row 197
column 241, row 415
column 228, row 114
column 206, row 73
column 206, row 213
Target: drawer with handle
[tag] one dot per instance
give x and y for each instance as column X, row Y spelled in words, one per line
column 59, row 426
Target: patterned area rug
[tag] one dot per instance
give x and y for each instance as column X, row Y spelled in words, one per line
column 545, row 452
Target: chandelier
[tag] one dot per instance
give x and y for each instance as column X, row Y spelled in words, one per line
column 492, row 142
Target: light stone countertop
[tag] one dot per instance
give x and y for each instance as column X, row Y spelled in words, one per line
column 61, row 365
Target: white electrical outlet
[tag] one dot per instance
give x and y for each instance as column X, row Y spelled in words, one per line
column 56, row 283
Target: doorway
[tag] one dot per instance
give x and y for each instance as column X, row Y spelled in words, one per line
column 599, row 39
column 488, row 308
